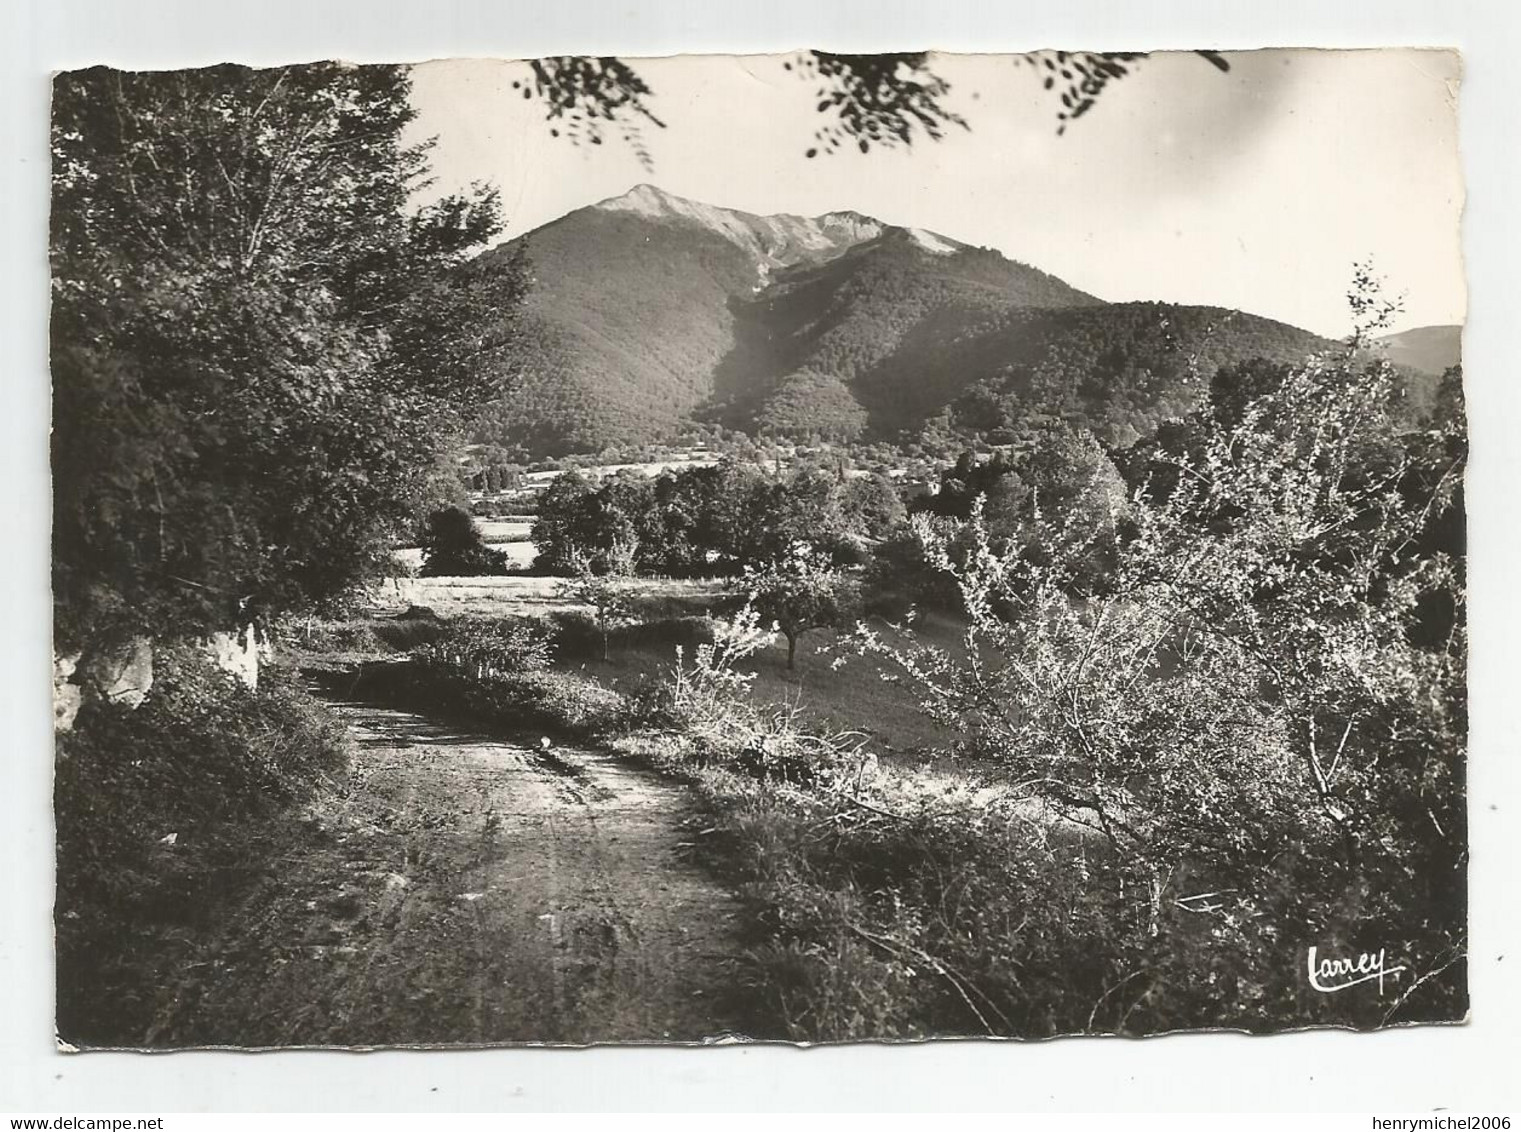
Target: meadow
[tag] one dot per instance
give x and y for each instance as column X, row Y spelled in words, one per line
column 831, row 686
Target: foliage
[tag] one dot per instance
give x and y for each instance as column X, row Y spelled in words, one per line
column 709, row 701
column 1055, row 495
column 452, row 547
column 914, row 912
column 606, row 592
column 486, row 647
column 897, row 906
column 800, row 590
column 1057, row 475
column 883, row 100
column 157, row 810
column 497, row 472
column 1085, row 75
column 811, row 407
column 257, row 341
column 561, row 703
column 706, row 520
column 902, row 578
column 1119, row 370
column 1243, row 710
column 561, row 525
column 872, row 506
column 1413, row 401
column 584, row 95
column 1062, row 498
column 706, row 696
column 807, row 506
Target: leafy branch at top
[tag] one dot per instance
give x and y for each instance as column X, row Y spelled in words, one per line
column 883, row 100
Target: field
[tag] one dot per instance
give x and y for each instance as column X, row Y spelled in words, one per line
column 691, row 458
column 514, row 531
column 848, row 696
column 833, row 688
column 514, row 595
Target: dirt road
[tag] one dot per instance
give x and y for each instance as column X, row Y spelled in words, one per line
column 465, row 890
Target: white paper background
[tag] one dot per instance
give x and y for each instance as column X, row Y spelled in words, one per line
column 1458, row 1068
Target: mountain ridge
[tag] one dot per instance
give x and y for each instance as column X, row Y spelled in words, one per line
column 651, row 313
column 778, row 240
column 1431, row 350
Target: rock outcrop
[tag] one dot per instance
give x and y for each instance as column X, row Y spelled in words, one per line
column 119, row 673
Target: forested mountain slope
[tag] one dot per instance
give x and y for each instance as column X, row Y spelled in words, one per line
column 649, row 312
column 1428, row 349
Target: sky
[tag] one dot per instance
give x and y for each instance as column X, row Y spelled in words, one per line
column 1257, row 189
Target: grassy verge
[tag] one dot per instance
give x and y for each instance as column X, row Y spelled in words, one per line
column 898, row 899
column 887, row 903
column 850, row 696
column 164, row 815
column 561, row 704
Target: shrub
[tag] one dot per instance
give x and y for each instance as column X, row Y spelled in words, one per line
column 156, row 810
column 417, row 626
column 901, row 577
column 498, row 671
column 561, row 703
column 486, row 647
column 358, row 638
column 335, row 637
column 1243, row 713
column 606, row 592
column 710, row 701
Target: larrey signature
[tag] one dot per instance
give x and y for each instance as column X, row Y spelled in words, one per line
column 1330, row 975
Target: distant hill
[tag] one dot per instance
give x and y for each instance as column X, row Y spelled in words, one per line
column 650, row 311
column 912, row 340
column 1430, row 349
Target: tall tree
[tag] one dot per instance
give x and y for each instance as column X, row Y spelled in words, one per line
column 257, row 340
column 559, row 529
column 453, row 547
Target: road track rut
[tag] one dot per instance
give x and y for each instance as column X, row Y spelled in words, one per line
column 471, row 890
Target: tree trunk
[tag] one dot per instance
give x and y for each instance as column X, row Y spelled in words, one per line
column 791, row 652
column 1154, row 918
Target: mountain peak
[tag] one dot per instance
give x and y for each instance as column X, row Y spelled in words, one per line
column 643, row 198
column 652, row 313
column 770, row 241
column 656, row 203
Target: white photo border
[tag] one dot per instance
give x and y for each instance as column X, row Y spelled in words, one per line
column 1458, row 1067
